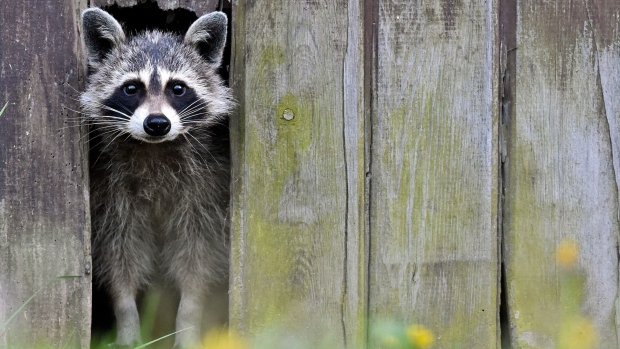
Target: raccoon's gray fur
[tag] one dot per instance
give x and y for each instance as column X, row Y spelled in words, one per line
column 159, row 170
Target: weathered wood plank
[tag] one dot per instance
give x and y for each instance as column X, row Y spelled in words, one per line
column 298, row 190
column 44, row 219
column 560, row 182
column 434, row 253
column 200, row 7
column 605, row 15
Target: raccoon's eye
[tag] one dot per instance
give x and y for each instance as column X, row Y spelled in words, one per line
column 130, row 89
column 178, row 89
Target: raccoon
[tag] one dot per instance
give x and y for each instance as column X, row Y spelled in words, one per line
column 159, row 165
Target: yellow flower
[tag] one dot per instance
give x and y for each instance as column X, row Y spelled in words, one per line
column 578, row 333
column 420, row 336
column 567, row 253
column 223, row 339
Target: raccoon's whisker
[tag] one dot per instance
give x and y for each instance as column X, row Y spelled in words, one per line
column 102, row 140
column 68, row 127
column 74, row 98
column 94, row 116
column 189, row 119
column 105, row 106
column 196, row 104
column 76, row 120
column 92, row 123
column 90, row 117
column 112, row 109
column 104, row 123
column 196, row 122
column 189, row 116
column 205, row 148
column 73, row 110
column 120, row 132
column 126, row 138
column 193, row 113
column 189, row 106
column 71, row 124
column 122, row 106
column 107, row 117
column 201, row 131
column 106, row 127
column 193, row 109
column 200, row 125
column 73, row 88
column 101, row 134
column 197, row 152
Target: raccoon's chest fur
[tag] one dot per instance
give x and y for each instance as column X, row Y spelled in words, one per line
column 155, row 178
column 160, row 184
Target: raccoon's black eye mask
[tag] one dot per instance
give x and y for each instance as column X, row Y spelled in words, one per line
column 126, row 99
column 184, row 100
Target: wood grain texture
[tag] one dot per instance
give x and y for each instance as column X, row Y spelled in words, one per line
column 44, row 219
column 200, row 7
column 561, row 167
column 434, row 250
column 299, row 247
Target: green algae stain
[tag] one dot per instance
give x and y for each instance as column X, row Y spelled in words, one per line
column 279, row 148
column 271, row 57
column 431, row 193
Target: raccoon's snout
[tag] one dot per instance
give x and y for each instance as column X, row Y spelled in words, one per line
column 156, row 125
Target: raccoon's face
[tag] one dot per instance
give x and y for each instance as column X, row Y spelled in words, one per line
column 156, row 86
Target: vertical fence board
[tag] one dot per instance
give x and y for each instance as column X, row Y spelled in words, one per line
column 434, row 253
column 605, row 16
column 44, row 220
column 560, row 183
column 298, row 184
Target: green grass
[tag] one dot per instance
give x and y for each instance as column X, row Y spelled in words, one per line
column 2, row 110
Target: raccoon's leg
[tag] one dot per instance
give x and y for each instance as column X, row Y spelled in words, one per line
column 127, row 318
column 132, row 264
column 189, row 318
column 193, row 267
column 125, row 255
column 201, row 310
column 196, row 256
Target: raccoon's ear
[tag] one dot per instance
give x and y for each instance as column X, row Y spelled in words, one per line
column 208, row 36
column 101, row 34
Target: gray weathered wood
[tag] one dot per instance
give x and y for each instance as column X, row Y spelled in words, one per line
column 44, row 219
column 562, row 151
column 434, row 255
column 200, row 7
column 604, row 15
column 298, row 185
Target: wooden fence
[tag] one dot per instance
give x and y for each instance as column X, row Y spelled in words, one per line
column 407, row 159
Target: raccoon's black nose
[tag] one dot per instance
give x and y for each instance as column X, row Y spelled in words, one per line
column 156, row 125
